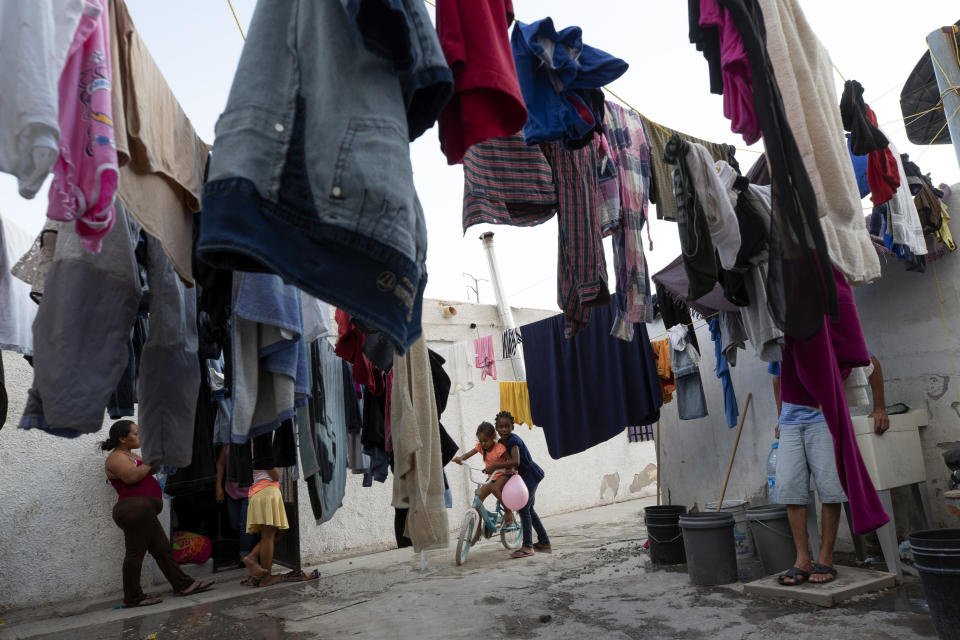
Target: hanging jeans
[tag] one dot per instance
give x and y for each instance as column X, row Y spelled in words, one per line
column 812, row 375
column 529, row 520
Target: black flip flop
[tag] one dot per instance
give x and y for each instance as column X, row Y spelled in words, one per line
column 799, row 576
column 146, row 602
column 201, row 587
column 824, row 569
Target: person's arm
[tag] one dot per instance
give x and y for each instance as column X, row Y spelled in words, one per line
column 881, row 421
column 221, row 463
column 123, row 468
column 274, row 474
column 514, row 461
column 460, row 459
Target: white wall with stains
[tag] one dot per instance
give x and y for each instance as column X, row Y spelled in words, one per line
column 58, row 541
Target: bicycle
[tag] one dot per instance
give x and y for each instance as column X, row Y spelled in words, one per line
column 492, row 522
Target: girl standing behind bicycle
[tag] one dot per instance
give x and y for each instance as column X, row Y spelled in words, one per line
column 532, row 474
column 493, row 453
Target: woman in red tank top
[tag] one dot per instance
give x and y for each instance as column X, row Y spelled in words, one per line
column 140, row 500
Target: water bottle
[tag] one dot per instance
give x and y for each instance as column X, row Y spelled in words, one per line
column 772, row 471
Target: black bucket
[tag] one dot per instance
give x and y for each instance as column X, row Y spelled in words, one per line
column 772, row 537
column 710, row 547
column 936, row 555
column 663, row 532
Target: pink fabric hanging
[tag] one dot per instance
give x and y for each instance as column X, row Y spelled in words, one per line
column 812, row 375
column 85, row 173
column 486, row 360
column 735, row 71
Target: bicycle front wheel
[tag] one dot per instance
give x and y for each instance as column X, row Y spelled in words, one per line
column 511, row 537
column 467, row 529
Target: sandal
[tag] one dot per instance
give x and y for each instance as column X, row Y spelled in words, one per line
column 300, row 576
column 200, row 588
column 825, row 570
column 145, row 602
column 251, row 581
column 520, row 553
column 796, row 574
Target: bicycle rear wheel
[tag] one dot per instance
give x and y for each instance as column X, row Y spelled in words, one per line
column 511, row 536
column 467, row 529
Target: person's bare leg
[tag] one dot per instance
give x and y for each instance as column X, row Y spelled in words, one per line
column 497, row 490
column 797, row 515
column 830, row 518
column 268, row 536
column 483, row 492
column 251, row 562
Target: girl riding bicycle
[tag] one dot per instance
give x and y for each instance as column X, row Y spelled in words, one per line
column 493, row 453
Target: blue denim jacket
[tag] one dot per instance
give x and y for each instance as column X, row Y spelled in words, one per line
column 310, row 176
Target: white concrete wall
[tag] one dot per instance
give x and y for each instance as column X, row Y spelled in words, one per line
column 58, row 541
column 901, row 321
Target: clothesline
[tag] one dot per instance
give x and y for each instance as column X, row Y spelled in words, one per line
column 704, row 320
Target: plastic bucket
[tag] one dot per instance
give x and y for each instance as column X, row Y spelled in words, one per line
column 936, row 554
column 741, row 537
column 709, row 544
column 773, row 538
column 663, row 532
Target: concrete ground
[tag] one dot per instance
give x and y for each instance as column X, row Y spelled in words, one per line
column 596, row 584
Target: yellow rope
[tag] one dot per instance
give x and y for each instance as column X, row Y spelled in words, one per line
column 946, row 336
column 937, row 134
column 837, row 70
column 236, row 19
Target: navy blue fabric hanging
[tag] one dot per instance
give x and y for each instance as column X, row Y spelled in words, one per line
column 589, row 388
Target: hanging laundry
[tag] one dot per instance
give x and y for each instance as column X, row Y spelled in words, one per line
column 355, row 142
column 865, row 137
column 32, row 266
column 270, row 370
column 716, row 35
column 487, row 102
column 401, row 33
column 200, row 475
column 459, row 364
column 761, row 327
column 418, row 469
column 350, row 346
column 557, row 74
column 587, row 389
column 85, row 173
column 812, row 375
column 17, row 310
column 860, row 168
column 661, row 354
column 925, row 198
column 331, row 432
column 715, row 200
column 630, row 155
column 805, row 78
column 511, row 343
column 685, row 363
column 734, row 335
column 4, row 399
column 506, row 182
column 696, row 246
column 79, row 339
column 515, row 398
column 752, row 208
column 723, row 372
column 905, row 227
column 661, row 173
column 161, row 157
column 486, row 361
column 316, row 319
column 441, row 394
column 672, row 312
column 35, row 39
column 351, row 403
column 169, row 371
column 950, row 202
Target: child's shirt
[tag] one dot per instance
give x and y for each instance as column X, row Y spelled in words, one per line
column 497, row 454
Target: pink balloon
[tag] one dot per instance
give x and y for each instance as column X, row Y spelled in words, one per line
column 515, row 494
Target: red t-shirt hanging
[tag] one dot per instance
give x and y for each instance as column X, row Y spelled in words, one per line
column 486, row 102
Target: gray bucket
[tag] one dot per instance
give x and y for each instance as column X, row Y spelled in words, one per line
column 709, row 544
column 741, row 536
column 772, row 536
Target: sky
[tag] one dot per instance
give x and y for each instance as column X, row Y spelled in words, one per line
column 197, row 45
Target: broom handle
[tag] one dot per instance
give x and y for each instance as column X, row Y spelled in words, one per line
column 743, row 416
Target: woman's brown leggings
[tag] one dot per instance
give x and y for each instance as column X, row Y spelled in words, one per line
column 142, row 532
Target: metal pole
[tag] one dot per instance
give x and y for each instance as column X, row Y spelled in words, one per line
column 503, row 307
column 944, row 61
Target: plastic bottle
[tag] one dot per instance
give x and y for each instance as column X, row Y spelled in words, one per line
column 772, row 471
